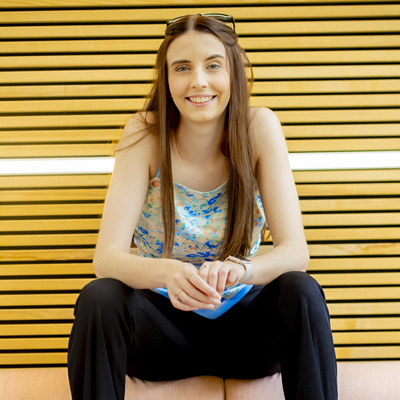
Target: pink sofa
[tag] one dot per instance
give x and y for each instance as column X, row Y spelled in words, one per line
column 357, row 381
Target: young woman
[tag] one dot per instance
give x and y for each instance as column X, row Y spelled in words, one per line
column 197, row 174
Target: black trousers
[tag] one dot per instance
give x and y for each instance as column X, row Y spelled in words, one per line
column 283, row 326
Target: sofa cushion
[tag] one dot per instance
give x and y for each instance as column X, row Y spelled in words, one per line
column 372, row 380
column 377, row 380
column 52, row 384
column 198, row 388
column 357, row 381
column 34, row 384
column 268, row 388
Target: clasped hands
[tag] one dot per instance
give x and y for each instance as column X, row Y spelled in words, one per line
column 191, row 289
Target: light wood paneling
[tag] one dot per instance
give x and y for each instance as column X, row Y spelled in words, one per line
column 72, row 78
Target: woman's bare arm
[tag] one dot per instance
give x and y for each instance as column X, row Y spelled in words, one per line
column 280, row 201
column 125, row 198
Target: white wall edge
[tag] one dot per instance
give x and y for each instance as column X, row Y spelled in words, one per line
column 298, row 162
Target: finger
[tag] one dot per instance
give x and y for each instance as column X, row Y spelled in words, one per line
column 213, row 275
column 203, row 271
column 190, row 301
column 201, row 298
column 187, row 299
column 202, row 287
column 182, row 306
column 177, row 303
column 222, row 278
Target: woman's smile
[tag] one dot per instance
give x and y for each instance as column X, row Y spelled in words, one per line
column 201, row 99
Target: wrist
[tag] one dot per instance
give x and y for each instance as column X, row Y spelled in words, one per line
column 246, row 264
column 170, row 267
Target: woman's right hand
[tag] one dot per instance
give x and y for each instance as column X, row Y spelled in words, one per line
column 188, row 291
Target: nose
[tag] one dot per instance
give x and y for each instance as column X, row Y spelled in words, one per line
column 199, row 78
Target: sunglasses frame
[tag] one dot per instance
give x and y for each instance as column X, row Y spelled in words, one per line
column 220, row 17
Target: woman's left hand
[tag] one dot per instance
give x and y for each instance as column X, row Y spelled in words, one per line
column 220, row 274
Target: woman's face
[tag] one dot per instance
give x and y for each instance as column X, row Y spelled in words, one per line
column 198, row 76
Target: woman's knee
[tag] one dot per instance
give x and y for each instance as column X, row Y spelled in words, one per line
column 102, row 296
column 299, row 289
column 298, row 283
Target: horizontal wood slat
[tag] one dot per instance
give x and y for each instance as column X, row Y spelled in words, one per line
column 274, row 102
column 305, row 190
column 354, row 264
column 40, row 358
column 290, row 43
column 38, row 4
column 329, row 264
column 140, row 60
column 374, row 144
column 34, row 344
column 361, row 324
column 338, row 324
column 107, row 149
column 342, row 353
column 95, row 210
column 42, row 284
column 340, row 338
column 55, row 181
column 157, row 29
column 85, row 224
column 367, row 352
column 37, row 314
column 24, row 255
column 36, row 329
column 53, row 239
column 70, row 224
column 312, row 235
column 58, row 299
column 71, row 181
column 259, row 12
column 146, row 74
column 364, row 308
column 117, row 120
column 327, row 280
column 54, row 195
column 69, row 269
column 350, row 249
column 316, row 250
column 358, row 279
column 129, row 90
column 323, row 139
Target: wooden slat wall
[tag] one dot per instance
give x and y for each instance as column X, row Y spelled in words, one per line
column 71, row 73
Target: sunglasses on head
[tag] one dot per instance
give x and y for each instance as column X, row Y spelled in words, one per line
column 220, row 17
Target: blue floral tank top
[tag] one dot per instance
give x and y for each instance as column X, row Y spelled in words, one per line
column 199, row 230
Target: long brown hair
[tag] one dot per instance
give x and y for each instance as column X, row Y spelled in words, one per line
column 235, row 145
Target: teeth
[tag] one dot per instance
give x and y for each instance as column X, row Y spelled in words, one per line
column 200, row 99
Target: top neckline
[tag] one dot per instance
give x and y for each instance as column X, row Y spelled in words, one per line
column 219, row 188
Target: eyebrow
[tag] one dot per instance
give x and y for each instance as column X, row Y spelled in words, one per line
column 188, row 61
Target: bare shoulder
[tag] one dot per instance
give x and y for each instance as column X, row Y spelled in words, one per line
column 262, row 120
column 140, row 126
column 139, row 142
column 265, row 131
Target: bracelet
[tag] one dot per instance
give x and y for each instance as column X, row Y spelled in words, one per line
column 246, row 263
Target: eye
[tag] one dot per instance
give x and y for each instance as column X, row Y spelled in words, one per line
column 181, row 68
column 214, row 66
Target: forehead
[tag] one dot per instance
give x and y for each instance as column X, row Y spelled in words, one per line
column 194, row 44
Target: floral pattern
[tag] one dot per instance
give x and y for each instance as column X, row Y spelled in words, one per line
column 199, row 227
